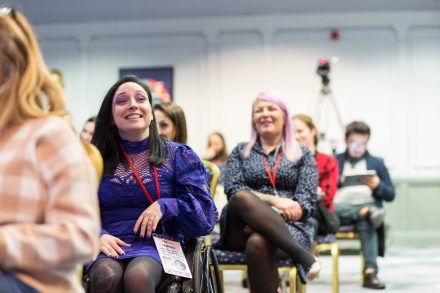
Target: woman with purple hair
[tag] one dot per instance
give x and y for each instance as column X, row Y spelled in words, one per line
column 271, row 185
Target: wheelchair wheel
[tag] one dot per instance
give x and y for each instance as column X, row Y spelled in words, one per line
column 206, row 275
column 215, row 282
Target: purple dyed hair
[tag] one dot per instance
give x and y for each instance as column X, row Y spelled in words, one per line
column 290, row 146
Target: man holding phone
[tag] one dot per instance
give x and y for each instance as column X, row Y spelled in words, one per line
column 361, row 205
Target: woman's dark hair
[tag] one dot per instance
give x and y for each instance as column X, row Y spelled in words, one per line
column 91, row 119
column 177, row 116
column 106, row 137
column 358, row 127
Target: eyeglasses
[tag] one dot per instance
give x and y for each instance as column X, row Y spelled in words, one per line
column 357, row 143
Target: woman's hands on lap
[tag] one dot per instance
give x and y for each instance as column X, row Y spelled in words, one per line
column 146, row 224
column 290, row 209
column 111, row 245
column 148, row 220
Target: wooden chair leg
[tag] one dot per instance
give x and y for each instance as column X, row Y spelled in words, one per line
column 300, row 287
column 292, row 280
column 222, row 279
column 362, row 267
column 335, row 274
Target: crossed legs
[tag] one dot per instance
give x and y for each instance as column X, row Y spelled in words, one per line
column 266, row 235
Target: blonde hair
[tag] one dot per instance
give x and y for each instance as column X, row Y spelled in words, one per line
column 290, row 146
column 27, row 89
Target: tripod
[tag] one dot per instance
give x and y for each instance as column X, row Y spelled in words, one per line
column 325, row 106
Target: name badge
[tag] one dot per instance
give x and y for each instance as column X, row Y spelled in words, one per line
column 172, row 256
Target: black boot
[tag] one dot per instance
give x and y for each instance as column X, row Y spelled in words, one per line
column 372, row 281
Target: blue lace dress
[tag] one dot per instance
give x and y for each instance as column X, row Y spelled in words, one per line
column 294, row 180
column 185, row 200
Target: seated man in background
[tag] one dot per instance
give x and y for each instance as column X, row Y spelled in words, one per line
column 361, row 204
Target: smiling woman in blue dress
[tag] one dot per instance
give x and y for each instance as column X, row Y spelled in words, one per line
column 149, row 185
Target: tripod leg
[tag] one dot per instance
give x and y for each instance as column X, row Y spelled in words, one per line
column 338, row 114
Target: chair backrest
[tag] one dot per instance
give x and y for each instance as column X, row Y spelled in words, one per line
column 347, row 232
column 212, row 175
column 97, row 162
column 95, row 157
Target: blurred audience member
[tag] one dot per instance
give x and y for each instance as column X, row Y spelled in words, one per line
column 218, row 154
column 48, row 205
column 306, row 133
column 171, row 122
column 217, row 151
column 88, row 129
column 361, row 205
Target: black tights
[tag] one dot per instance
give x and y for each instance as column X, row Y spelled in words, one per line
column 140, row 274
column 262, row 247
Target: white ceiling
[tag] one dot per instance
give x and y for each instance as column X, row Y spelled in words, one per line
column 74, row 11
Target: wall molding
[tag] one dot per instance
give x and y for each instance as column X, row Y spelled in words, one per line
column 259, row 23
column 271, row 51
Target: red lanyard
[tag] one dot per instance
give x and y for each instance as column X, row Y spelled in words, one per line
column 139, row 178
column 273, row 175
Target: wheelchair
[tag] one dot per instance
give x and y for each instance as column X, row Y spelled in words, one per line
column 204, row 269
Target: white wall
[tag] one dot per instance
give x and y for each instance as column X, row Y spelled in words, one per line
column 387, row 73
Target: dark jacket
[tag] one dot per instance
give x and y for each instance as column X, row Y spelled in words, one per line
column 384, row 192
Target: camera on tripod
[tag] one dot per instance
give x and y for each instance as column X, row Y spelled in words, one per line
column 327, row 110
column 323, row 70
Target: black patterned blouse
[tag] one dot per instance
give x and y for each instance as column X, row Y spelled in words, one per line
column 295, row 180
